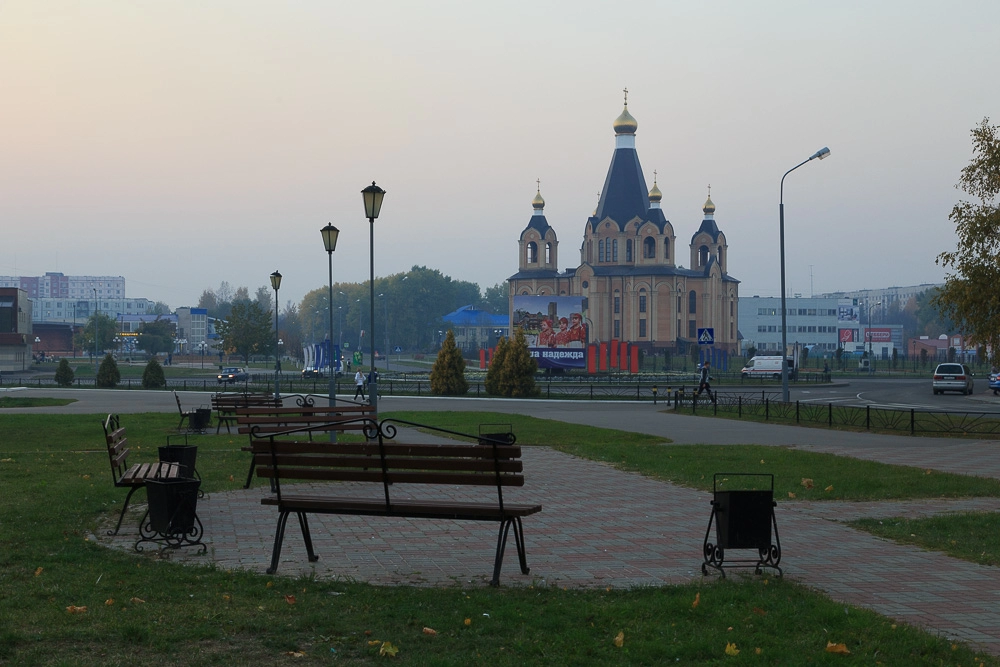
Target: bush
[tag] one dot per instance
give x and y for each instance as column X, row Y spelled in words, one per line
column 152, row 376
column 512, row 373
column 448, row 373
column 64, row 374
column 108, row 376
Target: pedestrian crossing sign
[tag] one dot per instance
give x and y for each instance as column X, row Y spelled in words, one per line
column 706, row 336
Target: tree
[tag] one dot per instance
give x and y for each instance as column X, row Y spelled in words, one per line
column 160, row 308
column 265, row 297
column 156, row 336
column 512, row 373
column 106, row 330
column 247, row 330
column 64, row 374
column 969, row 296
column 496, row 299
column 108, row 376
column 152, row 376
column 448, row 373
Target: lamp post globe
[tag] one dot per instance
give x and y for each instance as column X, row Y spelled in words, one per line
column 276, row 284
column 373, row 196
column 330, row 234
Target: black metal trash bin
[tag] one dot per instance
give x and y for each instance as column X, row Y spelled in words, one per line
column 172, row 519
column 744, row 519
column 183, row 455
column 496, row 434
column 200, row 420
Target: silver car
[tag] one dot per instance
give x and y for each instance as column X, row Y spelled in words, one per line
column 952, row 377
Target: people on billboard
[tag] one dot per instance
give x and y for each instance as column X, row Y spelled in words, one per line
column 546, row 337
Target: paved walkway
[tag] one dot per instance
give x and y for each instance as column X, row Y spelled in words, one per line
column 603, row 527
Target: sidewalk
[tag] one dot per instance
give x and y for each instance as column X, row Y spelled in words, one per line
column 601, row 527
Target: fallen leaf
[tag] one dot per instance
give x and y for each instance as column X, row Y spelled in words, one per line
column 296, row 654
column 837, row 648
column 928, row 471
column 807, row 482
column 731, row 649
column 76, row 610
column 759, row 611
column 791, row 495
column 757, row 650
column 697, row 600
column 269, row 584
column 137, row 601
column 762, row 461
column 368, row 633
column 389, row 650
column 109, row 601
column 231, row 479
column 226, row 598
column 620, row 639
column 86, row 476
column 374, row 642
column 829, row 488
column 290, row 599
column 468, row 621
column 38, row 571
column 430, row 631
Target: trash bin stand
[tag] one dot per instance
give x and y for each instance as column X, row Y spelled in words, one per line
column 172, row 520
column 744, row 519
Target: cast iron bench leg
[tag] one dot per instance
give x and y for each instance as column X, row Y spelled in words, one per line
column 279, row 536
column 519, row 542
column 122, row 515
column 307, row 538
column 501, row 543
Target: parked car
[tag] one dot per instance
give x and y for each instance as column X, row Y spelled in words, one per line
column 952, row 377
column 309, row 373
column 232, row 374
column 995, row 382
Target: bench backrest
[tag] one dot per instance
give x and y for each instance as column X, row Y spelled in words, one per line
column 389, row 463
column 117, row 442
column 229, row 402
column 179, row 408
column 263, row 421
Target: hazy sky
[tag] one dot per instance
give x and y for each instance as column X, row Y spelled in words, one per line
column 184, row 143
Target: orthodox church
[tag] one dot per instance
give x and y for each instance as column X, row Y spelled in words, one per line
column 629, row 285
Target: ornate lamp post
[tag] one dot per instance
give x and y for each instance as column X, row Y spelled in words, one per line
column 373, row 196
column 276, row 283
column 821, row 154
column 330, row 234
column 385, row 350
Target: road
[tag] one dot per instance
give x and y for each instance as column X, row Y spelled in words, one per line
column 897, row 394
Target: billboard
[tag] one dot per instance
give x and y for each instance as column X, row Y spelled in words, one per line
column 847, row 335
column 848, row 313
column 877, row 335
column 555, row 328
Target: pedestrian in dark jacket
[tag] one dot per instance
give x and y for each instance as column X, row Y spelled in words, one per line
column 703, row 381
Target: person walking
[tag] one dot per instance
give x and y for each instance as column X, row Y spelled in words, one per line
column 703, row 381
column 359, row 384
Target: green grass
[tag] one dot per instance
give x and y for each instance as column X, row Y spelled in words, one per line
column 56, row 491
column 695, row 465
column 971, row 536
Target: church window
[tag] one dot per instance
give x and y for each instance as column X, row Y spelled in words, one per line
column 642, row 301
column 642, row 328
column 628, row 250
column 532, row 252
column 649, row 248
column 666, row 249
column 618, row 304
column 692, row 329
column 614, row 250
column 618, row 328
column 548, row 253
column 585, row 284
column 703, row 255
column 692, row 302
column 600, row 250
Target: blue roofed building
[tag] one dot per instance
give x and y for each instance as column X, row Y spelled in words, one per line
column 475, row 329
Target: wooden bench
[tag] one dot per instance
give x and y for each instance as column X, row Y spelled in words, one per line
column 225, row 406
column 262, row 421
column 132, row 477
column 185, row 414
column 384, row 467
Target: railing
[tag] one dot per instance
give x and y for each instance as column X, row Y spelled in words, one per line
column 870, row 418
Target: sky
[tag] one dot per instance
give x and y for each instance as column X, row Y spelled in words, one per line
column 182, row 144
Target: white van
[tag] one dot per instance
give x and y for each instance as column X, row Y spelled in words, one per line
column 766, row 367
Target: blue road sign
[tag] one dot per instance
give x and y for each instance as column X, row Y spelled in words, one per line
column 706, row 336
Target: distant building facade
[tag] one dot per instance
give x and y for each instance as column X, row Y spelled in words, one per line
column 629, row 285
column 476, row 329
column 16, row 333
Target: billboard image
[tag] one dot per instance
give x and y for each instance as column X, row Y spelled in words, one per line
column 848, row 313
column 555, row 328
column 877, row 335
column 848, row 335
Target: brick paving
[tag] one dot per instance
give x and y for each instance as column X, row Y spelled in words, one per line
column 601, row 527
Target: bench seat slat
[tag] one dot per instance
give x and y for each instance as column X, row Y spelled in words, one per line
column 392, row 449
column 394, row 463
column 393, row 477
column 443, row 509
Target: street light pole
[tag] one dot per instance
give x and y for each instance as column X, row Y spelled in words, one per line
column 276, row 283
column 373, row 196
column 96, row 307
column 385, row 350
column 821, row 154
column 330, row 234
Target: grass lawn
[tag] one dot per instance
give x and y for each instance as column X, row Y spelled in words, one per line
column 66, row 600
column 971, row 536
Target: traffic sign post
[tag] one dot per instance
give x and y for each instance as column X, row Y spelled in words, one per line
column 706, row 336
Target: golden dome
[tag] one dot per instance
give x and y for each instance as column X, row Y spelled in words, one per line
column 625, row 123
column 654, row 194
column 709, row 206
column 538, row 203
